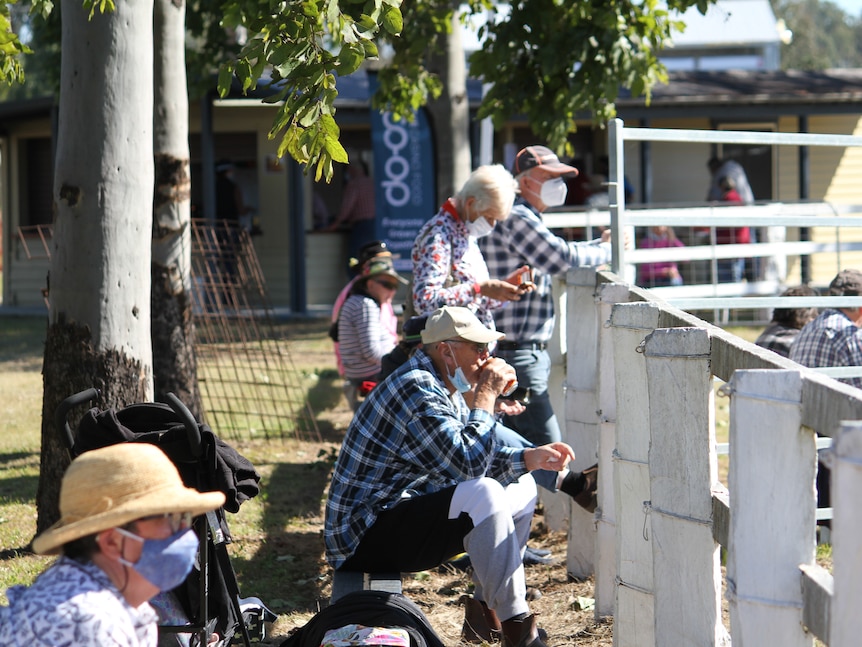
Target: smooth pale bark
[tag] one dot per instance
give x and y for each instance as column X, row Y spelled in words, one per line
column 450, row 114
column 174, row 365
column 99, row 301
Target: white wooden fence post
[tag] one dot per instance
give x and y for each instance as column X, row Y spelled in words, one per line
column 582, row 405
column 846, row 621
column 609, row 294
column 683, row 466
column 634, row 612
column 558, row 506
column 773, row 464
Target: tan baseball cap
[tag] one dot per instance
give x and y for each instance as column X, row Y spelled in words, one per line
column 456, row 322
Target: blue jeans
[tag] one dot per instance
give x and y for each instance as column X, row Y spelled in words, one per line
column 510, row 438
column 538, row 424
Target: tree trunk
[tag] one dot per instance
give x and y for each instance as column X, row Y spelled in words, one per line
column 174, row 365
column 450, row 114
column 99, row 300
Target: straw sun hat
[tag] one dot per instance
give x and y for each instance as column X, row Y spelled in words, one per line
column 112, row 486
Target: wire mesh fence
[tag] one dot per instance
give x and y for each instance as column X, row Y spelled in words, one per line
column 248, row 381
column 247, row 377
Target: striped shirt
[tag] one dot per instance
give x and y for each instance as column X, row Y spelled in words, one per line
column 362, row 339
column 523, row 239
column 832, row 339
column 408, row 438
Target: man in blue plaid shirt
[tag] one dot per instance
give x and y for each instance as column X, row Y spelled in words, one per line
column 421, row 478
column 523, row 239
column 834, row 338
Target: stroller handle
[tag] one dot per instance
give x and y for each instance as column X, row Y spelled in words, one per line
column 189, row 421
column 60, row 420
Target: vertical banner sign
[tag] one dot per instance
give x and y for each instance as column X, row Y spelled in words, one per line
column 404, row 179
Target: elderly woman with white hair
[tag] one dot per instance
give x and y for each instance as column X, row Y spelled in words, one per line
column 124, row 536
column 448, row 268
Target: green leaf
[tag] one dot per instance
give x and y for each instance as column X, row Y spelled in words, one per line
column 393, row 22
column 349, row 59
column 225, row 77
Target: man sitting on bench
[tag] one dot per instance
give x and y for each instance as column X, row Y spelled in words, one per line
column 420, row 477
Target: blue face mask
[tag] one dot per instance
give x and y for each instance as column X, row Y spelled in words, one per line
column 164, row 563
column 458, row 379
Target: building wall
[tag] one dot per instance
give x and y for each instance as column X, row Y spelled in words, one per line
column 834, row 177
column 679, row 175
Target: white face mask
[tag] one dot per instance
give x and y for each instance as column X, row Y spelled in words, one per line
column 553, row 192
column 479, row 227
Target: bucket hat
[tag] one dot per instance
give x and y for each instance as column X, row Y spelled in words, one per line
column 112, row 486
column 381, row 266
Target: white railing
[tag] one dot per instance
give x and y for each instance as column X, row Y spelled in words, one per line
column 639, row 395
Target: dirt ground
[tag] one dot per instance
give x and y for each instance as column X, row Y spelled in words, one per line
column 563, row 610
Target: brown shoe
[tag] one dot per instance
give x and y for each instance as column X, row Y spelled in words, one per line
column 481, row 624
column 583, row 487
column 522, row 633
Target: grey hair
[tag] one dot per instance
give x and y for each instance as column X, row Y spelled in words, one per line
column 493, row 188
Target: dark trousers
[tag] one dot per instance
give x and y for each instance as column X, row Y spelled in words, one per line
column 414, row 536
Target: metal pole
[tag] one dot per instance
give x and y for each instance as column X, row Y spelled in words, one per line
column 616, row 191
column 804, row 181
column 646, row 168
column 208, row 158
column 296, row 226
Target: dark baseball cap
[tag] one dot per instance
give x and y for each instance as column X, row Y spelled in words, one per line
column 541, row 156
column 847, row 283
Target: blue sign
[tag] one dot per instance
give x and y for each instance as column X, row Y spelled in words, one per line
column 405, row 190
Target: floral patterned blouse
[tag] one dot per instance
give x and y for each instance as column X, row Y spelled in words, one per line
column 74, row 605
column 448, row 267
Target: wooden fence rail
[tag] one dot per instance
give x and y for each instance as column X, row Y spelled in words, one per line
column 639, row 395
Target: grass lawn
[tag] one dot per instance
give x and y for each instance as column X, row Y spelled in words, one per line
column 277, row 547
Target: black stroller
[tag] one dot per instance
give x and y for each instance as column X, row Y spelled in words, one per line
column 208, row 601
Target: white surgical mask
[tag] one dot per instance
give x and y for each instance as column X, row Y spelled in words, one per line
column 553, row 192
column 479, row 227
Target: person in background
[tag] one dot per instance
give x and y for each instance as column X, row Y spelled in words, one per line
column 834, row 337
column 319, row 211
column 124, row 536
column 411, row 338
column 722, row 170
column 659, row 273
column 523, row 240
column 731, row 270
column 420, row 477
column 357, row 210
column 448, row 268
column 230, row 208
column 728, row 168
column 362, row 339
column 579, row 186
column 388, row 319
column 230, row 205
column 787, row 322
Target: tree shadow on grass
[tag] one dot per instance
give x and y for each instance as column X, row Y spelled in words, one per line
column 289, row 571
